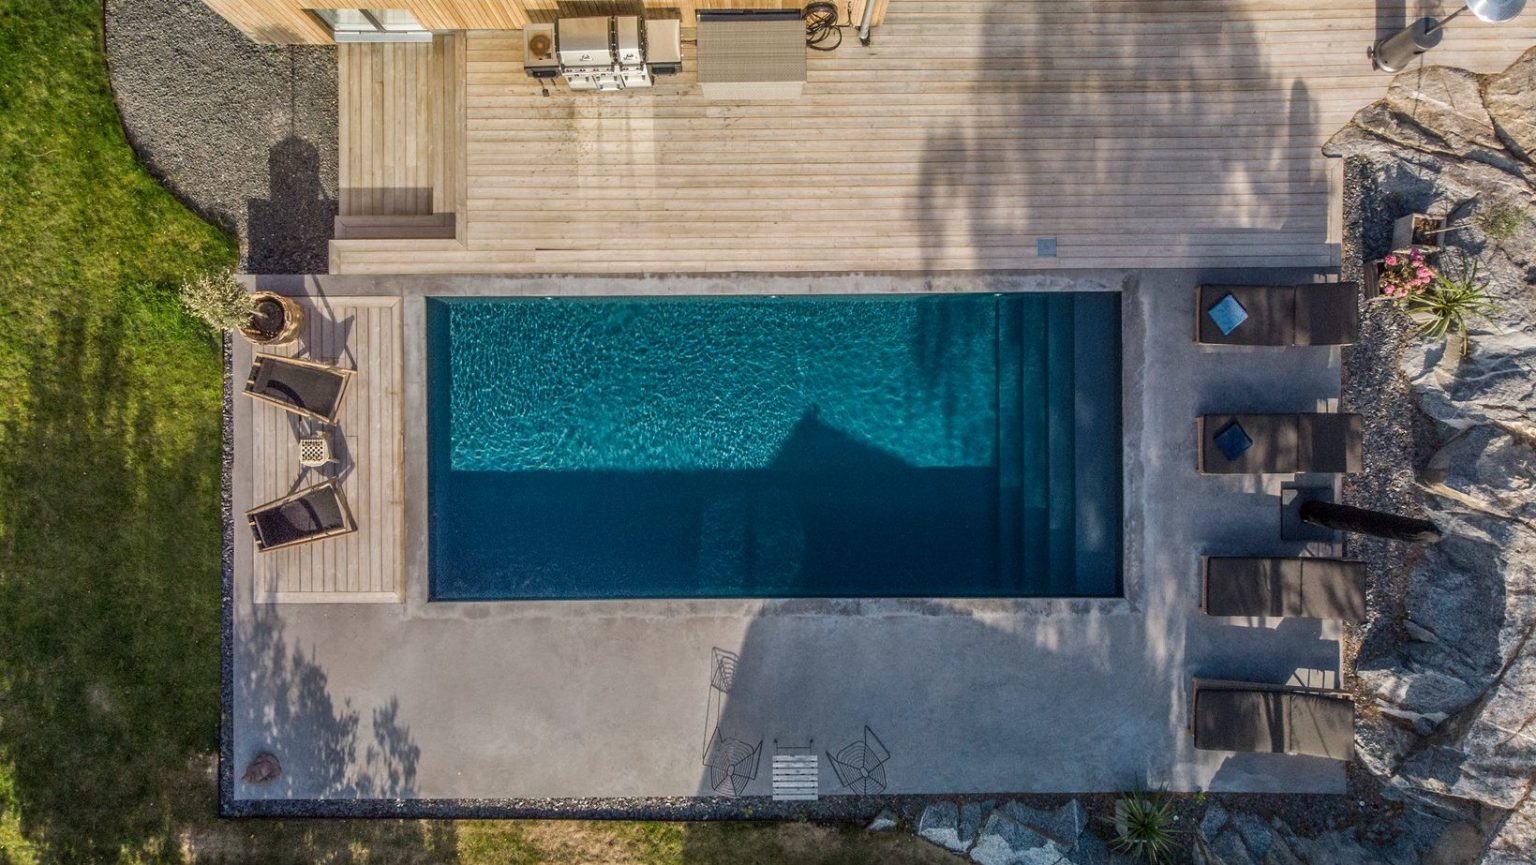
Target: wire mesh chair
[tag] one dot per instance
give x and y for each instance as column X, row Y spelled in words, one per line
column 732, row 764
column 860, row 765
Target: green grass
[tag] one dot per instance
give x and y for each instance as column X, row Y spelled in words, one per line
column 109, row 535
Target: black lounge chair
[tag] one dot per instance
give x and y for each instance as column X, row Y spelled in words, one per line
column 1272, row 719
column 1291, row 588
column 310, row 514
column 304, row 387
column 1325, row 313
column 1279, row 443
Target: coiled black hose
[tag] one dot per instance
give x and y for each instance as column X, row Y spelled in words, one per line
column 821, row 27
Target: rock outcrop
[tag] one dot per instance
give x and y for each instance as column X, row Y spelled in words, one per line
column 1456, row 687
column 1015, row 834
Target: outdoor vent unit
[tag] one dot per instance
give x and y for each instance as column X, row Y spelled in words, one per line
column 612, row 53
column 751, row 54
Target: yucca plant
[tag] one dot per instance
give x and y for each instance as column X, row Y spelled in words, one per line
column 1446, row 306
column 1144, row 828
column 219, row 299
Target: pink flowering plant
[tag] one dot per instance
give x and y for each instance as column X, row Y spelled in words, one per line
column 1405, row 275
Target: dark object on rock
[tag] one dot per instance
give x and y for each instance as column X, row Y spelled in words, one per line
column 262, row 769
column 1382, row 525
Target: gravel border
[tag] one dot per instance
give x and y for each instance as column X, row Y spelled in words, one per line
column 243, row 134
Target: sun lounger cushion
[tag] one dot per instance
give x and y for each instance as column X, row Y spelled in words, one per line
column 1228, row 313
column 1327, row 313
column 1273, row 450
column 1274, row 721
column 1285, row 587
column 1329, row 443
column 1332, row 589
column 1280, row 315
column 1270, row 309
column 1284, row 444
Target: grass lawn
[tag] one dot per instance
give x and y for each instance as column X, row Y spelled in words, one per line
column 109, row 534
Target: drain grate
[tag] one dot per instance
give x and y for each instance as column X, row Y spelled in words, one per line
column 795, row 777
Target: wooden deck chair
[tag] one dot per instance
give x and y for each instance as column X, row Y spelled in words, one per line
column 304, row 387
column 311, row 514
column 1259, row 718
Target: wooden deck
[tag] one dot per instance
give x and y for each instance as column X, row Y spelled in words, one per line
column 362, row 334
column 1182, row 133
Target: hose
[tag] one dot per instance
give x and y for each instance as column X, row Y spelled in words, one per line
column 821, row 26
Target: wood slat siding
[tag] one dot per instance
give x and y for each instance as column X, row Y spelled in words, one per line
column 366, row 566
column 1184, row 133
column 288, row 22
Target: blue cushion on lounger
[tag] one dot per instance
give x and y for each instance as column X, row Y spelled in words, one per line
column 1228, row 314
column 1233, row 440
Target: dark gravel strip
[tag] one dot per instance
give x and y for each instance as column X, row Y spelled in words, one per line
column 244, row 134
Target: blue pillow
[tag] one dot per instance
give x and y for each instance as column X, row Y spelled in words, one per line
column 1233, row 440
column 1228, row 314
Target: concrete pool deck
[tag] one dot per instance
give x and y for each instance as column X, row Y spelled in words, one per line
column 613, row 699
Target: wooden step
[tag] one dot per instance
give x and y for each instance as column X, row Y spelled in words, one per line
column 796, row 777
column 431, row 226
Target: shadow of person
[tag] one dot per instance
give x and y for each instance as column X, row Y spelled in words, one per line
column 290, row 228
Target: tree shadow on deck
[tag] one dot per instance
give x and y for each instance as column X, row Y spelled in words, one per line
column 1124, row 132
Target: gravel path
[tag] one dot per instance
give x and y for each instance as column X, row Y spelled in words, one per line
column 245, row 134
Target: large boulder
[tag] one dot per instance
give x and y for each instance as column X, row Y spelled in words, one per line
column 1511, row 102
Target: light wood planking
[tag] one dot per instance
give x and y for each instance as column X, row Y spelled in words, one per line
column 390, row 127
column 366, row 566
column 1183, row 133
column 289, row 22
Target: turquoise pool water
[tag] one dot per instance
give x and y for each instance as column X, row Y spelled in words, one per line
column 894, row 446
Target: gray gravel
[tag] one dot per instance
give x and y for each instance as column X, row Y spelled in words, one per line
column 1399, row 437
column 245, row 134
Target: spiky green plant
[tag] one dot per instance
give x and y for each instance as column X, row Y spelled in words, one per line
column 1447, row 305
column 218, row 299
column 1144, row 828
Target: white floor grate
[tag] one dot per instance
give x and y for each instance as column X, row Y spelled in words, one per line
column 796, row 777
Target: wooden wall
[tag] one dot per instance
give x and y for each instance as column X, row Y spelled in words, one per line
column 287, row 22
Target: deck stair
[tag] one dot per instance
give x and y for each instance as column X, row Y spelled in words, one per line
column 424, row 226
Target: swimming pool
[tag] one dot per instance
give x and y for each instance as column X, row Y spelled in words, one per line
column 889, row 446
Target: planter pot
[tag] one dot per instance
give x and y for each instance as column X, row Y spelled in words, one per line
column 1371, row 278
column 277, row 321
column 1417, row 230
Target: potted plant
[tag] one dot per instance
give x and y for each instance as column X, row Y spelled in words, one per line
column 1418, row 231
column 223, row 303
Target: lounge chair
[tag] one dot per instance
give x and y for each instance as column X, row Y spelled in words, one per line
column 1302, row 588
column 310, row 514
column 304, row 387
column 1278, row 443
column 1272, row 719
column 1315, row 314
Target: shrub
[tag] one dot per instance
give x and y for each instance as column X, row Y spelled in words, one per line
column 1446, row 306
column 1144, row 829
column 218, row 299
column 1405, row 274
column 1501, row 222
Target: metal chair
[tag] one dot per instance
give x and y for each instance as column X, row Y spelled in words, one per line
column 860, row 765
column 732, row 764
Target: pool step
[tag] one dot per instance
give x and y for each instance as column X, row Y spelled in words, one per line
column 1059, row 537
